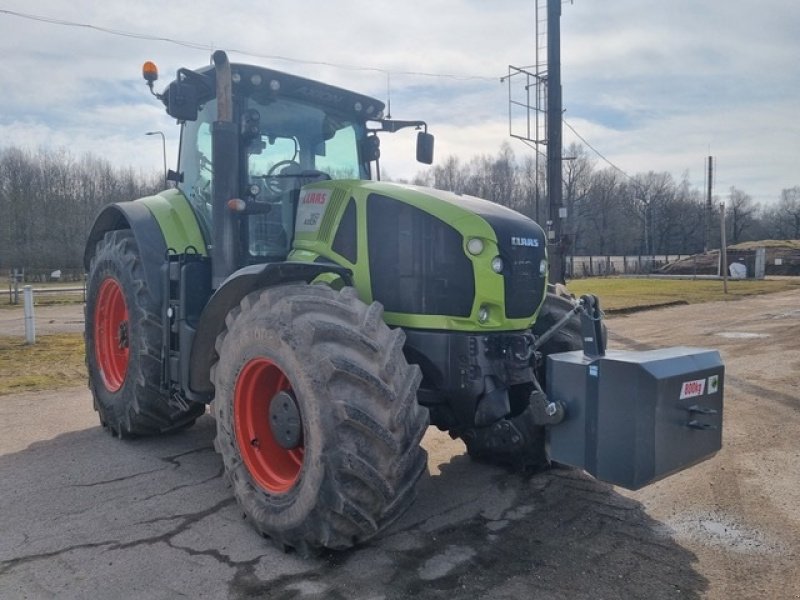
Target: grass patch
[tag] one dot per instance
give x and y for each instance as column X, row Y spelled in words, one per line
column 621, row 293
column 53, row 362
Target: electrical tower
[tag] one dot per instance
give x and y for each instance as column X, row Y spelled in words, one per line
column 534, row 116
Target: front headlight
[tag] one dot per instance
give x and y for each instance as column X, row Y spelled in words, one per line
column 483, row 314
column 475, row 246
column 497, row 264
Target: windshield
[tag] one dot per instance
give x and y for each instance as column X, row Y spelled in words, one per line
column 285, row 144
column 297, row 134
column 288, row 144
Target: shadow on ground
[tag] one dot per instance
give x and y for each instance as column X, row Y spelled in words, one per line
column 85, row 515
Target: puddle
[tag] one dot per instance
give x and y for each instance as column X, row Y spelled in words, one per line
column 720, row 531
column 742, row 335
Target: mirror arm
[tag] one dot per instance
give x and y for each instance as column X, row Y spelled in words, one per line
column 393, row 126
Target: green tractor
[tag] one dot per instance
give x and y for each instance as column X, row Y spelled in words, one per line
column 328, row 318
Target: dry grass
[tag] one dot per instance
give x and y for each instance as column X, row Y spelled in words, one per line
column 787, row 244
column 57, row 361
column 53, row 362
column 620, row 293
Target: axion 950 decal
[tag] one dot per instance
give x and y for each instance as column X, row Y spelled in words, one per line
column 310, row 209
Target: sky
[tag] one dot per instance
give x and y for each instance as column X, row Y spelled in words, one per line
column 652, row 86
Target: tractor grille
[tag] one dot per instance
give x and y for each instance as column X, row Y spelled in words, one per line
column 331, row 212
column 523, row 284
column 416, row 261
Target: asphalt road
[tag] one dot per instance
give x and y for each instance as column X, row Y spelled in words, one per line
column 88, row 516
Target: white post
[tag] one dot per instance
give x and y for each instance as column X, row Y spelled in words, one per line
column 30, row 322
column 723, row 248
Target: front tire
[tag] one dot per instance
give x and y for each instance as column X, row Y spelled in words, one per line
column 123, row 342
column 317, row 419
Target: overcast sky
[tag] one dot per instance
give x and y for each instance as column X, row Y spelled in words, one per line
column 652, row 85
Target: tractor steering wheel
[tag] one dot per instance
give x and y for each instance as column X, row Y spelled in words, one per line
column 275, row 182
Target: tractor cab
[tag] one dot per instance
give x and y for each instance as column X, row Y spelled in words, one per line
column 281, row 132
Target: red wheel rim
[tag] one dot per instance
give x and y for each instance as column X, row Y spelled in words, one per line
column 111, row 334
column 274, row 468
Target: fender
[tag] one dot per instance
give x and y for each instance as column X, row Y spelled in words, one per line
column 229, row 294
column 147, row 233
column 161, row 222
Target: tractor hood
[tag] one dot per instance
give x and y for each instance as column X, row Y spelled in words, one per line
column 427, row 253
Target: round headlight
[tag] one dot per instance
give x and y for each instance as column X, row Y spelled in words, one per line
column 483, row 314
column 497, row 264
column 543, row 267
column 274, row 85
column 475, row 246
column 255, row 79
column 358, row 106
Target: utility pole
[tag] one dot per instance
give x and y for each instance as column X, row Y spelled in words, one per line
column 707, row 240
column 723, row 248
column 556, row 241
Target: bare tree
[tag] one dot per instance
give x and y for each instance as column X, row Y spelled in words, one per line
column 577, row 181
column 741, row 214
column 599, row 214
column 785, row 217
column 48, row 201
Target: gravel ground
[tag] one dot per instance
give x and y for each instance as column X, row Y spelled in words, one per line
column 85, row 515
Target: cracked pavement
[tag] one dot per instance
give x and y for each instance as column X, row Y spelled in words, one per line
column 84, row 515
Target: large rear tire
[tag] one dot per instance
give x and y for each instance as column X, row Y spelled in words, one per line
column 317, row 419
column 569, row 337
column 123, row 342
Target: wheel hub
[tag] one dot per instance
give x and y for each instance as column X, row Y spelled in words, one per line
column 284, row 420
column 122, row 335
column 111, row 334
column 272, row 450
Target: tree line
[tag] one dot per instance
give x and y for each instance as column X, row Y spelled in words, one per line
column 609, row 212
column 48, row 202
column 49, row 199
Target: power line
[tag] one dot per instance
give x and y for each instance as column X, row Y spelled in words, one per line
column 595, row 150
column 207, row 47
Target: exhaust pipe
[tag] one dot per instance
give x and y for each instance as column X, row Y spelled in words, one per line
column 225, row 161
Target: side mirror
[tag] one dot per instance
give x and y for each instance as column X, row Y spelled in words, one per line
column 425, row 148
column 182, row 101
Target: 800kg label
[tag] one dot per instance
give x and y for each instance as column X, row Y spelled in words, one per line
column 690, row 389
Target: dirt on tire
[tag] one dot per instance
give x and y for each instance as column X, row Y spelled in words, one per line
column 129, row 399
column 356, row 398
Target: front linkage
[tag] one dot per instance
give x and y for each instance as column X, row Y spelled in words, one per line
column 518, row 438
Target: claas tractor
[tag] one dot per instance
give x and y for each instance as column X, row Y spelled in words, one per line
column 328, row 318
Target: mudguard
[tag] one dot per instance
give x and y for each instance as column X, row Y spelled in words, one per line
column 159, row 223
column 229, row 294
column 152, row 247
